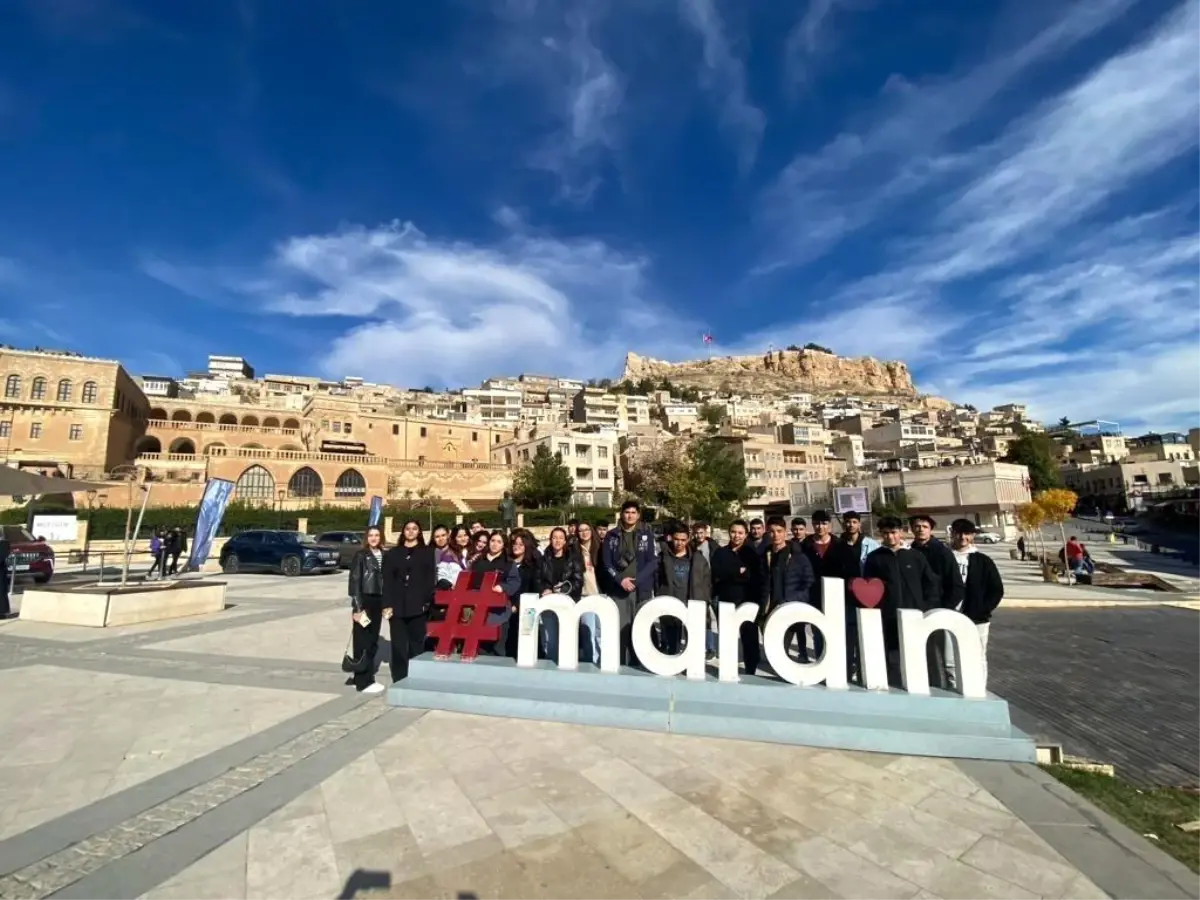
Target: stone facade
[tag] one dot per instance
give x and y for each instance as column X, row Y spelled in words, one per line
column 75, row 414
column 88, row 418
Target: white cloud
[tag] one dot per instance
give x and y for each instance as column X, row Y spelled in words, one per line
column 809, row 39
column 724, row 76
column 819, row 199
column 446, row 312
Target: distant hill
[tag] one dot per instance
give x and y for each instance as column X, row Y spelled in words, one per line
column 782, row 372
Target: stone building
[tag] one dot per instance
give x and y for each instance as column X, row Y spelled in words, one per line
column 591, row 457
column 986, row 494
column 73, row 414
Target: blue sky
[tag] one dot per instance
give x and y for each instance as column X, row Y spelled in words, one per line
column 1004, row 196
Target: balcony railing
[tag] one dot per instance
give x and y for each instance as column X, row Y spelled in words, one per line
column 175, row 425
column 306, row 456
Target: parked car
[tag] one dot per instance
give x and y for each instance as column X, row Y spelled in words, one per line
column 347, row 542
column 289, row 552
column 27, row 555
column 987, row 537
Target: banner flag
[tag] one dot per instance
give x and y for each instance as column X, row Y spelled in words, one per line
column 376, row 511
column 217, row 494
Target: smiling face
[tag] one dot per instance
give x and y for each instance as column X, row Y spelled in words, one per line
column 737, row 535
column 585, row 533
column 374, row 537
column 462, row 539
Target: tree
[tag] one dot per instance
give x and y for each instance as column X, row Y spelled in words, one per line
column 425, row 499
column 1058, row 504
column 795, row 411
column 543, row 481
column 711, row 414
column 897, row 506
column 1064, row 422
column 1035, row 451
column 1030, row 518
column 709, row 481
column 811, row 346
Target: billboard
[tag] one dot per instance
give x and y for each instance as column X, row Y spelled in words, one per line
column 851, row 499
column 217, row 494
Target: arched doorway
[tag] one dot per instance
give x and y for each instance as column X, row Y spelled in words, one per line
column 228, row 419
column 350, row 484
column 270, row 422
column 305, row 483
column 252, row 421
column 183, row 446
column 181, row 415
column 255, row 483
column 158, row 413
column 206, row 417
column 147, row 444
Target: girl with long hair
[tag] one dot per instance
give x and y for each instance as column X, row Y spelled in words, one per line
column 409, row 580
column 366, row 608
column 495, row 558
column 522, row 552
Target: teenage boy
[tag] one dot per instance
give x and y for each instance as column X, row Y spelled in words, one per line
column 787, row 578
column 832, row 559
column 908, row 583
column 683, row 573
column 630, row 561
column 942, row 563
column 852, row 534
column 983, row 589
column 799, row 530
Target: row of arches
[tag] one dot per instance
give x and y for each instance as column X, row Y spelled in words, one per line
column 257, row 483
column 39, row 388
column 187, row 447
column 252, row 421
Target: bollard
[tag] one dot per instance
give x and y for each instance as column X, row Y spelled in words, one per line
column 101, row 579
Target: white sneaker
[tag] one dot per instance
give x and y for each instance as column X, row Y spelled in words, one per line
column 373, row 688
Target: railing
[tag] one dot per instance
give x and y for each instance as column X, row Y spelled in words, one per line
column 306, row 456
column 177, row 425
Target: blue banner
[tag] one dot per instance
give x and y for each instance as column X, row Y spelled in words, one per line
column 217, row 493
column 376, row 511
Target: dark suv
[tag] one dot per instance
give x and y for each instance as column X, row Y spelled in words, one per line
column 347, row 542
column 28, row 555
column 289, row 552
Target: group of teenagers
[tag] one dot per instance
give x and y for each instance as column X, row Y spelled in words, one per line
column 764, row 563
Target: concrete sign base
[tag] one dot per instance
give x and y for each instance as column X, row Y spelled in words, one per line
column 755, row 708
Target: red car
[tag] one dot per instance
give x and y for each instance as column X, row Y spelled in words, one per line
column 28, row 555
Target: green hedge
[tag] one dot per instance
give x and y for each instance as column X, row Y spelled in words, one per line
column 109, row 523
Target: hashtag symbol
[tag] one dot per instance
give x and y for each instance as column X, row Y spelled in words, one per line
column 466, row 616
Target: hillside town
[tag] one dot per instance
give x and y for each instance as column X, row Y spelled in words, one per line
column 800, row 422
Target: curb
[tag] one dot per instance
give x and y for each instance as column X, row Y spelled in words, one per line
column 1093, row 603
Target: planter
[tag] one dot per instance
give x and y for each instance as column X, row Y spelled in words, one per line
column 105, row 606
column 1049, row 573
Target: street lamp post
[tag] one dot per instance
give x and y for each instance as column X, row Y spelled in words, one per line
column 282, row 493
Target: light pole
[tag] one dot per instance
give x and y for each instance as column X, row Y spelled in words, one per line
column 282, row 493
column 87, row 535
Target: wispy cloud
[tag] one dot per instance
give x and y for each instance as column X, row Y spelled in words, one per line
column 724, row 77
column 451, row 312
column 807, row 42
column 903, row 148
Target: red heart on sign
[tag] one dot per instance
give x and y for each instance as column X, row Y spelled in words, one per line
column 867, row 591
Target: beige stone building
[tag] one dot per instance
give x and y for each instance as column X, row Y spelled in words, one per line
column 88, row 418
column 595, row 406
column 775, row 459
column 1161, row 447
column 986, row 493
column 73, row 414
column 591, row 458
column 1129, row 484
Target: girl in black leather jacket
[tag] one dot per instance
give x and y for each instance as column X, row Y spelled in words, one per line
column 366, row 607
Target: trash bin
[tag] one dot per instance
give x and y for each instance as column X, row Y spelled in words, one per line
column 1012, row 553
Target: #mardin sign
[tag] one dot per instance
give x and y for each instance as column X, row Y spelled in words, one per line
column 915, row 628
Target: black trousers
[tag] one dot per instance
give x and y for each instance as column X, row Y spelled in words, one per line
column 160, row 563
column 174, row 562
column 366, row 640
column 751, row 650
column 5, row 609
column 408, row 640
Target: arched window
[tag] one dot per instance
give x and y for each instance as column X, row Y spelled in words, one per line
column 228, row 419
column 305, row 483
column 181, row 415
column 12, row 386
column 183, row 446
column 250, row 420
column 89, row 392
column 147, row 444
column 270, row 422
column 38, row 390
column 64, row 390
column 256, row 483
column 158, row 414
column 294, row 424
column 350, row 484
column 206, row 417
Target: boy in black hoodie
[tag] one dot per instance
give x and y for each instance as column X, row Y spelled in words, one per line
column 983, row 590
column 908, row 583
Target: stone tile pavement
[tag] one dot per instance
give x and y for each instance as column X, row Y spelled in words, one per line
column 530, row 809
column 223, row 757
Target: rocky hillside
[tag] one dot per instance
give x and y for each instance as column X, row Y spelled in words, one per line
column 780, row 371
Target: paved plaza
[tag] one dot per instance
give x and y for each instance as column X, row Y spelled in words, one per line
column 223, row 757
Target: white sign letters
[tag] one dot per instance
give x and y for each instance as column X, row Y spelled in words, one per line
column 915, row 628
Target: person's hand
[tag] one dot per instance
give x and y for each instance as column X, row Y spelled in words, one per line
column 545, row 592
column 497, row 589
column 628, row 584
column 356, row 616
column 742, row 570
column 387, row 613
